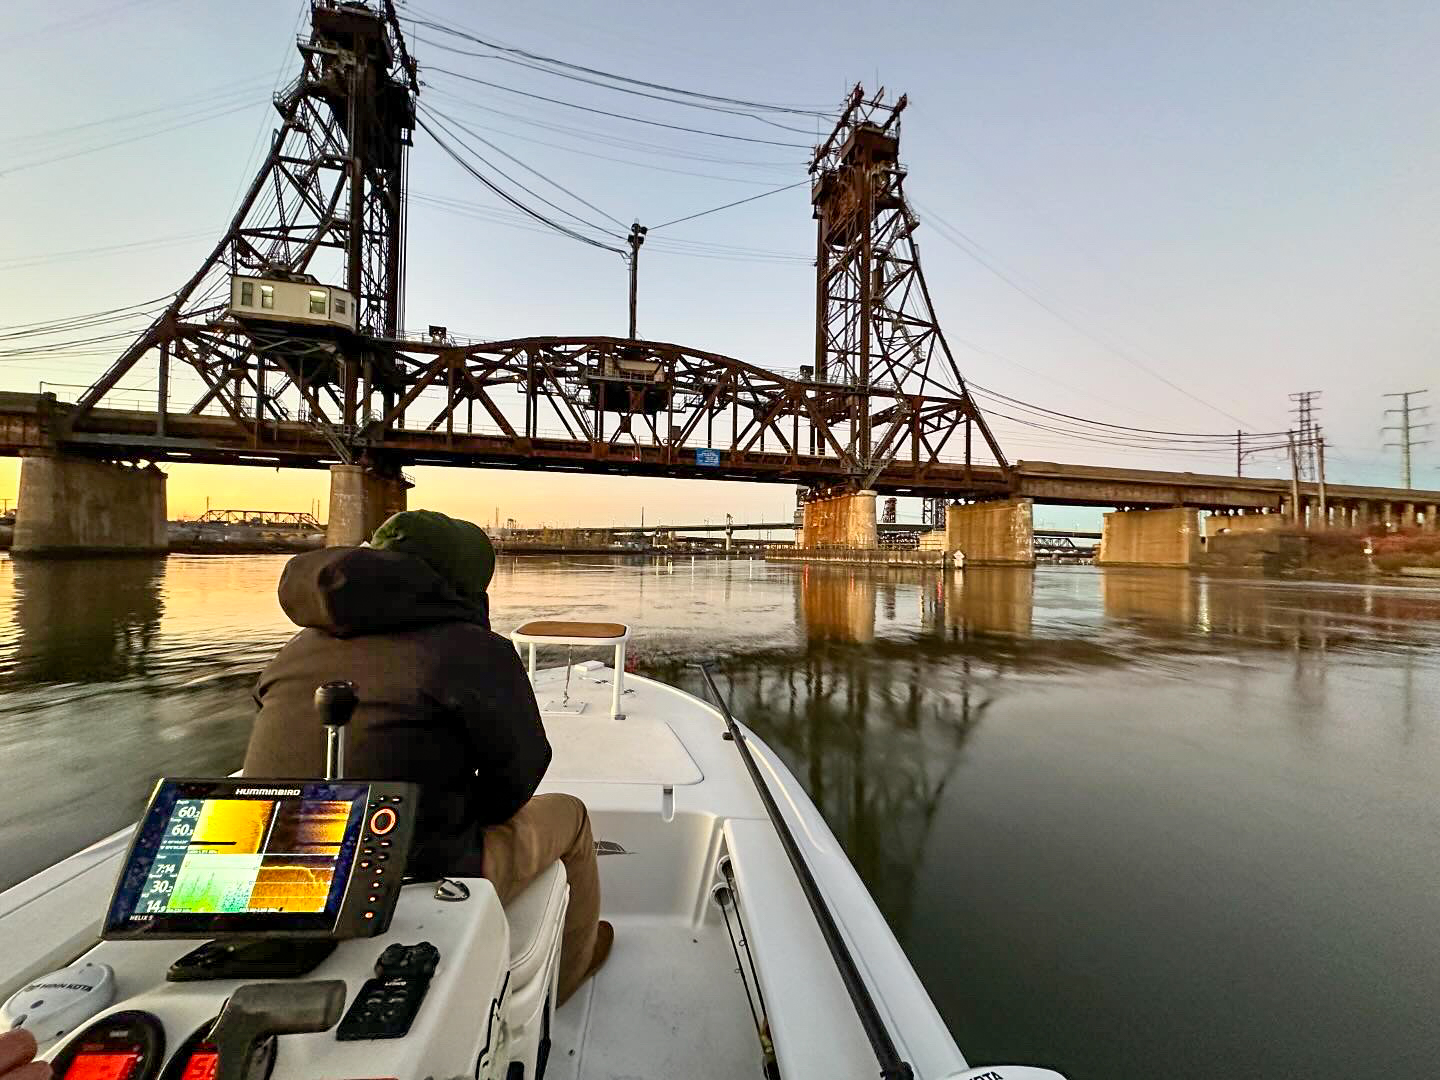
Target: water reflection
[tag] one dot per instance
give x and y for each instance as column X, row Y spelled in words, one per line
column 847, row 603
column 1099, row 807
column 86, row 620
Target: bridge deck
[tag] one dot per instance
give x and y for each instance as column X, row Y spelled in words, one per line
column 27, row 423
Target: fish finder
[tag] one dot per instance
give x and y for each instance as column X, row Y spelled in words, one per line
column 240, row 858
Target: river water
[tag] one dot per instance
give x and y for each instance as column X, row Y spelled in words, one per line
column 1130, row 824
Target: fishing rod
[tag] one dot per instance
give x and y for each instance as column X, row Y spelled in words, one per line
column 892, row 1066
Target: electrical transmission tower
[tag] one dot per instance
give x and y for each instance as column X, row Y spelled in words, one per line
column 874, row 323
column 1307, row 434
column 327, row 206
column 1407, row 425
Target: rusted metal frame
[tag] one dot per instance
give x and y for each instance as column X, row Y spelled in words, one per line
column 316, row 205
column 548, row 375
column 778, row 392
column 202, row 369
column 668, row 446
column 707, row 408
column 819, row 425
column 307, row 392
column 324, row 225
column 479, row 392
column 892, row 435
column 150, row 337
column 232, row 363
column 776, row 408
column 957, row 419
column 431, row 373
column 978, row 417
column 450, row 401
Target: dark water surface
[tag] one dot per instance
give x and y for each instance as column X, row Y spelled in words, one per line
column 1132, row 824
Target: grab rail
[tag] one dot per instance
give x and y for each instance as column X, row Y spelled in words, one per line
column 892, row 1066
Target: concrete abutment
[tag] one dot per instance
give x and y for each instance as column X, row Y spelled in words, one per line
column 840, row 521
column 1150, row 538
column 71, row 505
column 992, row 533
column 361, row 499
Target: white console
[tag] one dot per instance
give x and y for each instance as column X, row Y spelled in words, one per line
column 466, row 1025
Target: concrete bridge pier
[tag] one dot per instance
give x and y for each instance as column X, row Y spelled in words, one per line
column 71, row 505
column 995, row 533
column 839, row 521
column 361, row 498
column 1150, row 538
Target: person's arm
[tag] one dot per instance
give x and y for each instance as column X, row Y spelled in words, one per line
column 17, row 1057
column 501, row 720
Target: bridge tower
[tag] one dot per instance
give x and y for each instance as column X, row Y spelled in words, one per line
column 325, row 208
column 875, row 326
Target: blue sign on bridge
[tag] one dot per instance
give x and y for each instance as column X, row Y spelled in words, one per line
column 708, row 458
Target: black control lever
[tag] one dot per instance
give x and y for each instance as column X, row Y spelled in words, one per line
column 335, row 702
column 258, row 1010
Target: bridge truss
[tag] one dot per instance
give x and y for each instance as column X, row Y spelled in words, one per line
column 883, row 406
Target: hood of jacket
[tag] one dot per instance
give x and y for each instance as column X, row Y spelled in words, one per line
column 347, row 592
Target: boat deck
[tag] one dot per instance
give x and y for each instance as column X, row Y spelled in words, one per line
column 667, row 1003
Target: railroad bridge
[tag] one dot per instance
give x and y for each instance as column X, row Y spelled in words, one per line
column 285, row 348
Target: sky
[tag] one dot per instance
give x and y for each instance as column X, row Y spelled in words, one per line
column 1160, row 215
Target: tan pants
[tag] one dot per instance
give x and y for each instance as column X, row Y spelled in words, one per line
column 546, row 828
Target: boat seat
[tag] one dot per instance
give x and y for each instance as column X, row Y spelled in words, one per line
column 553, row 628
column 535, row 916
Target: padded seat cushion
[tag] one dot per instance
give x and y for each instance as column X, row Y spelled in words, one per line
column 534, row 916
column 558, row 628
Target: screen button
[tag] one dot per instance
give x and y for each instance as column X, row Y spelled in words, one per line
column 383, row 821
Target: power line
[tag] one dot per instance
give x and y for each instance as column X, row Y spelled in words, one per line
column 766, row 106
column 618, row 160
column 554, row 183
column 206, row 118
column 564, row 229
column 589, row 134
column 607, row 86
column 528, row 190
column 674, row 246
column 737, row 202
column 1226, row 437
column 618, row 116
column 969, row 247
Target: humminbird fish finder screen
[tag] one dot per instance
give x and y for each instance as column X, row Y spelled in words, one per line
column 246, row 856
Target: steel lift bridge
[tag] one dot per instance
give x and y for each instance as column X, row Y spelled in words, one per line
column 286, row 346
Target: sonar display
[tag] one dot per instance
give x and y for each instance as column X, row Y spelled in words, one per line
column 228, row 856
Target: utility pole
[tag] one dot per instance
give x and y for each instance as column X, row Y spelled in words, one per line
column 635, row 239
column 1295, row 515
column 1320, row 466
column 1405, row 427
column 1239, row 454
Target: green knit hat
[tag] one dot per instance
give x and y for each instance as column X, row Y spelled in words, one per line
column 458, row 551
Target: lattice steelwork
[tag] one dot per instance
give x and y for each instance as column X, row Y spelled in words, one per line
column 328, row 202
column 875, row 326
column 886, row 409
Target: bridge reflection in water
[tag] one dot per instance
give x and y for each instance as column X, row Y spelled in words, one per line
column 85, row 620
column 1076, row 793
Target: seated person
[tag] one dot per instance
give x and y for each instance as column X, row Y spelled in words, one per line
column 444, row 702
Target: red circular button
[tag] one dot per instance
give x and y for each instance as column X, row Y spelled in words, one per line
column 383, row 821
